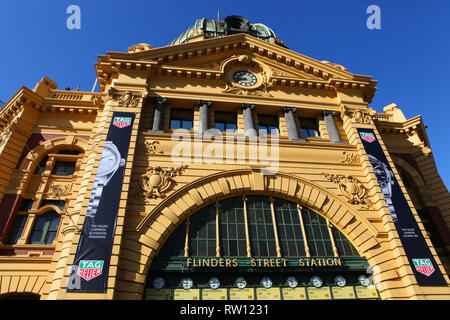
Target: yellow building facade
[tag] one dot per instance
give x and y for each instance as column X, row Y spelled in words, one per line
column 226, row 167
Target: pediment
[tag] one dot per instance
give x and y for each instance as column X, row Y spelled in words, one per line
column 208, row 58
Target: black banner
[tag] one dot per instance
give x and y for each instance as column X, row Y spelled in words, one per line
column 91, row 264
column 424, row 266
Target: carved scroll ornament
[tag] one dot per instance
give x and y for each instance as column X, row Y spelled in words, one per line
column 157, row 181
column 351, row 188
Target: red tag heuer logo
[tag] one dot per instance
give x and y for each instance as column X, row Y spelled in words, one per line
column 89, row 269
column 122, row 122
column 424, row 266
column 367, row 136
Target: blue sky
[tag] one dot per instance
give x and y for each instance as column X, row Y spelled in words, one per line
column 409, row 56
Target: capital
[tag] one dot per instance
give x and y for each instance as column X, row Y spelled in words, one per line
column 329, row 113
column 207, row 103
column 289, row 109
column 248, row 105
column 160, row 100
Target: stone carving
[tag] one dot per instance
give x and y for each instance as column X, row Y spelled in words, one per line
column 60, row 190
column 359, row 115
column 351, row 158
column 351, row 188
column 157, row 181
column 4, row 136
column 126, row 98
column 245, row 62
column 151, row 147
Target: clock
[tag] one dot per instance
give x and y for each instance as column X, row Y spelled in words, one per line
column 292, row 282
column 363, row 280
column 187, row 283
column 266, row 282
column 241, row 283
column 245, row 78
column 340, row 281
column 158, row 283
column 214, row 283
column 316, row 281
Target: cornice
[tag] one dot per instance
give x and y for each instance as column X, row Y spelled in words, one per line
column 155, row 62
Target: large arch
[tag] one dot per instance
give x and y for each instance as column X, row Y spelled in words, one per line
column 157, row 226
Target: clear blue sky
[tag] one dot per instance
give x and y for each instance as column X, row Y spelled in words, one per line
column 409, row 56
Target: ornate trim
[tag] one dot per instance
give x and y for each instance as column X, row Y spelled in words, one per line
column 351, row 188
column 151, row 147
column 245, row 61
column 363, row 116
column 126, row 98
column 157, row 181
column 351, row 158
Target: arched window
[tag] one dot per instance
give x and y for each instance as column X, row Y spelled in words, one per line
column 256, row 226
column 45, row 228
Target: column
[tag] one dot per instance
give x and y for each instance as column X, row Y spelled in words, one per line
column 158, row 116
column 203, row 121
column 249, row 125
column 291, row 123
column 333, row 132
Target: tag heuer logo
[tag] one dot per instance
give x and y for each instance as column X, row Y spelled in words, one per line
column 424, row 266
column 89, row 269
column 367, row 136
column 122, row 122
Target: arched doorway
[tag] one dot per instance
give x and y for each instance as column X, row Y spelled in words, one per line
column 258, row 247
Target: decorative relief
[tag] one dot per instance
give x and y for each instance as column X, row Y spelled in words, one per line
column 152, row 147
column 126, row 98
column 4, row 136
column 363, row 116
column 240, row 62
column 157, row 181
column 351, row 158
column 60, row 190
column 351, row 188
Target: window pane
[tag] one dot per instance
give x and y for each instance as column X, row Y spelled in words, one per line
column 319, row 241
column 262, row 237
column 17, row 229
column 64, row 168
column 289, row 228
column 45, row 228
column 309, row 127
column 232, row 222
column 202, row 232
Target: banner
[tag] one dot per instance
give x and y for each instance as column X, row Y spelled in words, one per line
column 91, row 264
column 419, row 255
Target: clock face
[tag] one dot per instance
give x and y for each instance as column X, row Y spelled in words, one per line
column 214, row 283
column 340, row 281
column 245, row 78
column 363, row 280
column 158, row 283
column 292, row 282
column 241, row 283
column 316, row 281
column 187, row 283
column 266, row 282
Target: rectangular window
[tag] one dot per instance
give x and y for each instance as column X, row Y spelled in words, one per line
column 289, row 228
column 63, row 168
column 309, row 128
column 181, row 119
column 319, row 241
column 17, row 229
column 226, row 121
column 202, row 233
column 232, row 237
column 268, row 124
column 261, row 230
